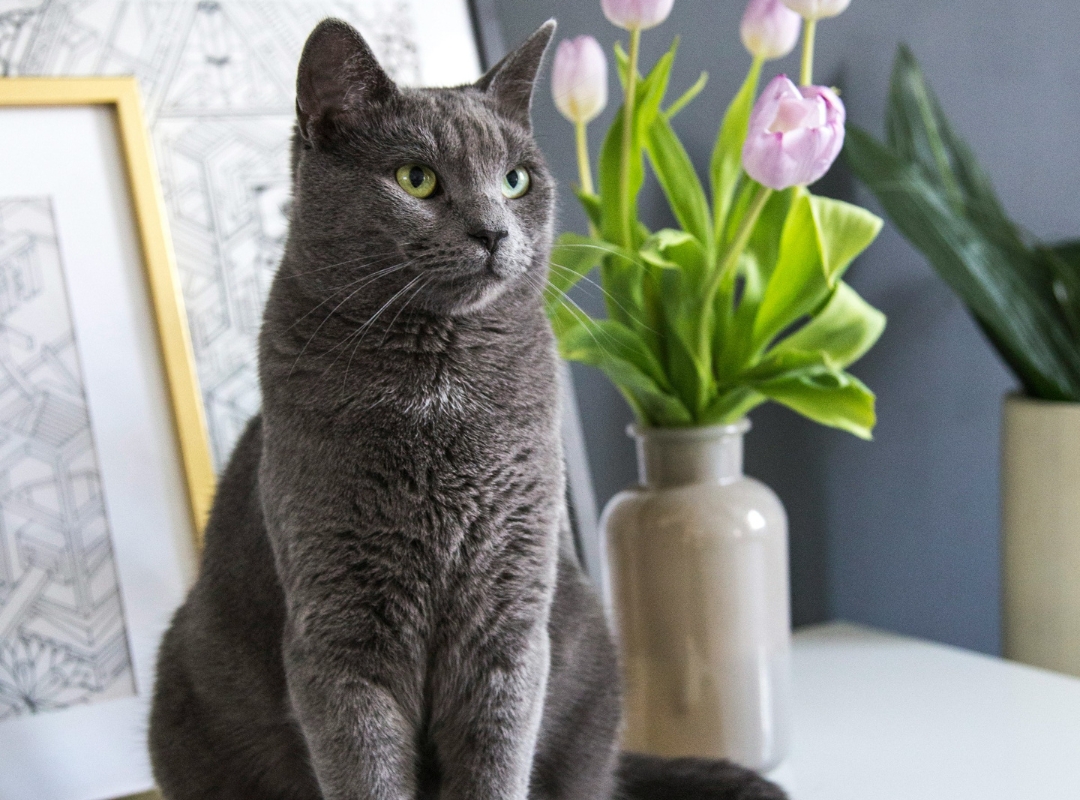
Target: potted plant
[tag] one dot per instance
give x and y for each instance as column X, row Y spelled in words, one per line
column 1025, row 294
column 744, row 302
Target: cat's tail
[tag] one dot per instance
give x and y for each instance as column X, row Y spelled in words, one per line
column 643, row 777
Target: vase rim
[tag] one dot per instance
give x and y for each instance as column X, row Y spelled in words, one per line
column 1020, row 398
column 690, row 433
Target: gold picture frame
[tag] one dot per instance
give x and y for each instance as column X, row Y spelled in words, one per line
column 174, row 339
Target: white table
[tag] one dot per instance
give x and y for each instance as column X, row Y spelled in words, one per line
column 884, row 717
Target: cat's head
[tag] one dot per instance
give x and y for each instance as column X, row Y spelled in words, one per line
column 438, row 197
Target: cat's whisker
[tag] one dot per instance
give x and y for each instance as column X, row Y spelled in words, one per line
column 404, row 305
column 574, row 308
column 615, row 251
column 363, row 329
column 583, row 278
column 339, row 305
column 347, row 262
column 334, row 293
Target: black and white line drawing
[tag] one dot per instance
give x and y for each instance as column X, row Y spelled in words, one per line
column 62, row 634
column 217, row 79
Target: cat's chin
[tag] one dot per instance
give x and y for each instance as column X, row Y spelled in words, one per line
column 475, row 301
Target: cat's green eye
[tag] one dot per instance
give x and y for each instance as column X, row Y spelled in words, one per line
column 417, row 180
column 515, row 183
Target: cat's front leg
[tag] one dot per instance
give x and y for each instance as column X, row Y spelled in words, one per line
column 361, row 741
column 487, row 719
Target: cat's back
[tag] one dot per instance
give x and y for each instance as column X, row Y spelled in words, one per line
column 220, row 695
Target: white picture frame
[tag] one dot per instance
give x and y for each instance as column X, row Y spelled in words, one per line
column 104, row 462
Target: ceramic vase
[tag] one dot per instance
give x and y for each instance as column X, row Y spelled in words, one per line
column 698, row 572
column 1040, row 477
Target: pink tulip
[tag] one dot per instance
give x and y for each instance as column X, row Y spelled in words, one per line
column 817, row 9
column 636, row 14
column 579, row 80
column 769, row 29
column 795, row 134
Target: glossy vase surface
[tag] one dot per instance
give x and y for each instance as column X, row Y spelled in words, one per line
column 1040, row 548
column 698, row 570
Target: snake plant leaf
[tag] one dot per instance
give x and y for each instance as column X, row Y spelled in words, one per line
column 843, row 330
column 572, row 258
column 988, row 278
column 725, row 166
column 1063, row 265
column 918, row 131
column 679, row 180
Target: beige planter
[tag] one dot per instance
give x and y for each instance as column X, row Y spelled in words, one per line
column 1041, row 533
column 699, row 576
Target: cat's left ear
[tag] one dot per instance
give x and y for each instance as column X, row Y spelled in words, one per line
column 338, row 75
column 512, row 80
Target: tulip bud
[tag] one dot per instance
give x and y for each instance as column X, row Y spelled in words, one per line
column 769, row 29
column 579, row 81
column 795, row 134
column 817, row 9
column 636, row 14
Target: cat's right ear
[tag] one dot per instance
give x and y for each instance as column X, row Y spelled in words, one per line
column 338, row 76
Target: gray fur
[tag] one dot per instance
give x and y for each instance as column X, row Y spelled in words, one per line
column 389, row 605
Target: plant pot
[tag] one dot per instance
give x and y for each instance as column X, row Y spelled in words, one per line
column 698, row 568
column 1040, row 479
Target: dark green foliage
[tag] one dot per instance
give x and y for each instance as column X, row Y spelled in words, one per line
column 1025, row 295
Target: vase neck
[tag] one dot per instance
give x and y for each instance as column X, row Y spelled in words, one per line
column 669, row 457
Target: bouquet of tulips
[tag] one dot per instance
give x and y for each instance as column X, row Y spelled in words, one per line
column 744, row 302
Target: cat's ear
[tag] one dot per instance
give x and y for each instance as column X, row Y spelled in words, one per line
column 512, row 80
column 338, row 74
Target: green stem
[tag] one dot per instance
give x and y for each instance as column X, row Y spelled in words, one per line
column 584, row 170
column 730, row 262
column 627, row 139
column 807, row 77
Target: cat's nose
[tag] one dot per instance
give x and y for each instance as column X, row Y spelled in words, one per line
column 490, row 239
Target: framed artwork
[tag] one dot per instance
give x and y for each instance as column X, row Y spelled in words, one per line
column 105, row 469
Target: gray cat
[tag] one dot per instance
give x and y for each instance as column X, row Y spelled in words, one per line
column 390, row 606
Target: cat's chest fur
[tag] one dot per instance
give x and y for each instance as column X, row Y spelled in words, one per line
column 435, row 483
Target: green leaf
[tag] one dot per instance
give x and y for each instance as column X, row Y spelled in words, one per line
column 682, row 259
column 843, row 330
column 687, row 97
column 726, row 165
column 572, row 258
column 591, row 204
column 675, row 172
column 841, row 401
column 608, row 179
column 844, row 231
column 798, row 283
column 652, row 90
column 1063, row 264
column 627, row 362
column 994, row 282
column 919, row 133
column 731, row 406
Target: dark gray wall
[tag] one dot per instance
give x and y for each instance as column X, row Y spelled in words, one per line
column 902, row 532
